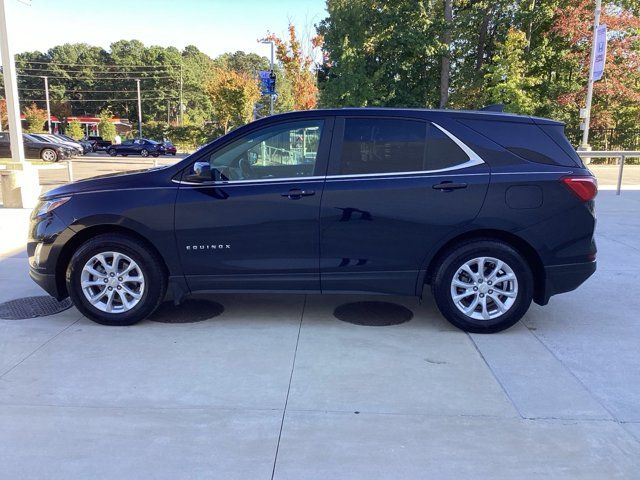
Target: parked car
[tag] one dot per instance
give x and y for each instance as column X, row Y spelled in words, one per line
column 137, row 146
column 489, row 210
column 169, row 148
column 73, row 147
column 34, row 149
column 98, row 143
column 84, row 144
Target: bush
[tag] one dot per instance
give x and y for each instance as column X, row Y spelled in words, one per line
column 186, row 138
column 35, row 117
column 105, row 127
column 74, row 130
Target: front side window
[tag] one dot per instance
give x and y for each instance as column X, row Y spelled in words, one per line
column 382, row 145
column 287, row 150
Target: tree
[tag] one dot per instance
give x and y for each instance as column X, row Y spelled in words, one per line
column 4, row 119
column 106, row 128
column 74, row 130
column 507, row 79
column 380, row 53
column 233, row 96
column 446, row 56
column 35, row 118
column 297, row 69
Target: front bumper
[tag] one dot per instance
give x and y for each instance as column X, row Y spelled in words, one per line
column 47, row 282
column 564, row 278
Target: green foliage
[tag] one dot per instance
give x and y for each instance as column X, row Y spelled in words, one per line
column 106, row 129
column 533, row 56
column 74, row 130
column 506, row 78
column 234, row 96
column 36, row 118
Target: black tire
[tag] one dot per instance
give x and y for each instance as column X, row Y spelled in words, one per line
column 173, row 153
column 150, row 265
column 144, row 152
column 448, row 266
column 49, row 155
column 113, row 152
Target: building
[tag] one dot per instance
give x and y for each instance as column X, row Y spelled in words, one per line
column 90, row 124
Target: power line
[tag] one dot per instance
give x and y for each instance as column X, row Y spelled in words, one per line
column 101, row 100
column 107, row 72
column 84, row 77
column 70, row 92
column 92, row 64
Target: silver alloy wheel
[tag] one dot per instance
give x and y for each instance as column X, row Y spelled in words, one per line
column 144, row 152
column 112, row 282
column 484, row 288
column 49, row 155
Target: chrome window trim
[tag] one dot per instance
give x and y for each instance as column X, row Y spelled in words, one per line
column 474, row 160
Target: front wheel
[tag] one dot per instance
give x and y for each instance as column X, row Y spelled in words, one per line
column 113, row 280
column 113, row 152
column 483, row 286
column 49, row 155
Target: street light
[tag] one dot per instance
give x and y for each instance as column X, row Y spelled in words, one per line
column 270, row 42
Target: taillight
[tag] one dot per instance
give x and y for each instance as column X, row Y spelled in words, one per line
column 585, row 188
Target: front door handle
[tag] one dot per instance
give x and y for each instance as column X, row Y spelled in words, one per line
column 296, row 193
column 448, row 186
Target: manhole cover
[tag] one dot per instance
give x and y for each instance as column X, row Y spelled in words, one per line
column 31, row 307
column 374, row 314
column 190, row 311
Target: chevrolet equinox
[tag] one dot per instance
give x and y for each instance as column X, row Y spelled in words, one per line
column 490, row 210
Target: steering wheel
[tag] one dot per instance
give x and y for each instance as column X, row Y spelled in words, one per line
column 245, row 168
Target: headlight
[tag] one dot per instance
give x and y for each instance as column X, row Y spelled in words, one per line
column 47, row 206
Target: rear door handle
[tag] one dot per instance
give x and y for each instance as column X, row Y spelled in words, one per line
column 296, row 193
column 448, row 186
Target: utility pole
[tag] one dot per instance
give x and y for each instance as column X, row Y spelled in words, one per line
column 168, row 113
column 139, row 110
column 46, row 92
column 585, row 133
column 181, row 112
column 11, row 90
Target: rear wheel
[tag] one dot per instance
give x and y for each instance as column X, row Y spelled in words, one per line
column 112, row 152
column 113, row 280
column 483, row 286
column 144, row 152
column 49, row 155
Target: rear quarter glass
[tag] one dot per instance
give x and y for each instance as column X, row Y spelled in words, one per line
column 527, row 140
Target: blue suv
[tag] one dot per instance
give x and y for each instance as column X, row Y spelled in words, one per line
column 489, row 210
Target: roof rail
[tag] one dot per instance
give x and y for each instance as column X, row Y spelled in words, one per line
column 494, row 107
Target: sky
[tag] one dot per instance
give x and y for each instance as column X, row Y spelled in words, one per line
column 214, row 26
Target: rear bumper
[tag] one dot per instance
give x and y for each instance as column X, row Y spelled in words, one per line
column 564, row 278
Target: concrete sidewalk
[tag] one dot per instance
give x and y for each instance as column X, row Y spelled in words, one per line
column 277, row 387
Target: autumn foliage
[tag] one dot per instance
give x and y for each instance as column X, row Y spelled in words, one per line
column 297, row 68
column 619, row 86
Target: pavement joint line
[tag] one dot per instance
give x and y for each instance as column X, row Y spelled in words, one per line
column 495, row 376
column 11, row 369
column 617, row 240
column 286, row 401
column 596, row 399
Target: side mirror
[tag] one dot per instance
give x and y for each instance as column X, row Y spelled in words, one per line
column 202, row 172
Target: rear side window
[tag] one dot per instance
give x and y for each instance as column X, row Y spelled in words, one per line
column 382, row 145
column 527, row 140
column 442, row 152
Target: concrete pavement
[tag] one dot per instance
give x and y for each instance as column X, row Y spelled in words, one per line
column 277, row 387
